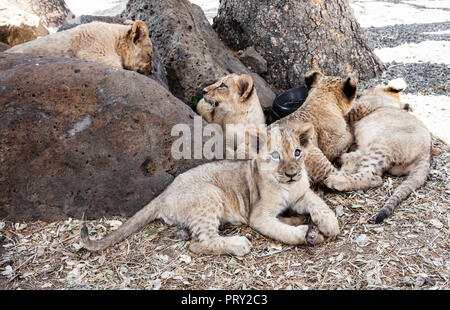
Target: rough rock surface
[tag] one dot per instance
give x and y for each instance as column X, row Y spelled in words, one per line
column 52, row 13
column 253, row 60
column 192, row 53
column 159, row 72
column 80, row 138
column 18, row 26
column 85, row 19
column 294, row 36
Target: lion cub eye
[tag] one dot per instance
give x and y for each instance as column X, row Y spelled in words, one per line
column 297, row 153
column 222, row 86
column 275, row 155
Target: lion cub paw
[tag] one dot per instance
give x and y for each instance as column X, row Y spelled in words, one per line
column 329, row 226
column 376, row 181
column 326, row 221
column 336, row 182
column 239, row 245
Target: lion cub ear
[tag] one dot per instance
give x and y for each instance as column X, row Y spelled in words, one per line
column 312, row 77
column 139, row 32
column 304, row 132
column 350, row 87
column 396, row 86
column 245, row 86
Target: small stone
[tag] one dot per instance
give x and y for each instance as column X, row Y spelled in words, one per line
column 253, row 60
column 436, row 151
column 436, row 223
column 361, row 240
column 185, row 258
column 339, row 211
column 422, row 280
column 166, row 275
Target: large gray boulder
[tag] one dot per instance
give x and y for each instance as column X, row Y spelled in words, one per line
column 191, row 51
column 81, row 138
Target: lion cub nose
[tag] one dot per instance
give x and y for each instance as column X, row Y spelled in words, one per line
column 290, row 175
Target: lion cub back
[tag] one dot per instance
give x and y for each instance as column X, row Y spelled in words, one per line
column 55, row 44
column 388, row 122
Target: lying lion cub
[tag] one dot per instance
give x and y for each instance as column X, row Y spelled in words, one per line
column 231, row 100
column 329, row 100
column 389, row 139
column 250, row 192
column 233, row 104
column 119, row 46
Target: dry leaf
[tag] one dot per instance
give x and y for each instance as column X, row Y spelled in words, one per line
column 185, row 258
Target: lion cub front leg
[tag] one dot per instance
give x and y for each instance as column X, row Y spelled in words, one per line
column 350, row 161
column 205, row 110
column 320, row 213
column 263, row 218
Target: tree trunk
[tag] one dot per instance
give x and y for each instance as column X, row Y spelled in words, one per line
column 295, row 36
column 52, row 13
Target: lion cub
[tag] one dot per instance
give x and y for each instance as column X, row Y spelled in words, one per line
column 388, row 139
column 329, row 100
column 119, row 46
column 231, row 100
column 233, row 104
column 250, row 192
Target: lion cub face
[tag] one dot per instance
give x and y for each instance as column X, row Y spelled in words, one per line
column 229, row 92
column 137, row 49
column 390, row 94
column 283, row 154
column 342, row 89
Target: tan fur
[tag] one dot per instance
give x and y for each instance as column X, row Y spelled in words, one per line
column 252, row 192
column 233, row 100
column 329, row 100
column 388, row 139
column 120, row 46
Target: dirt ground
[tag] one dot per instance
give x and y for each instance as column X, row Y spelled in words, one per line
column 408, row 251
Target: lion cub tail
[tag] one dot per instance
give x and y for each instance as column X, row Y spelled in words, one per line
column 414, row 180
column 136, row 222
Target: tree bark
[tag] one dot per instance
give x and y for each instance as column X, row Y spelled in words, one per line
column 295, row 36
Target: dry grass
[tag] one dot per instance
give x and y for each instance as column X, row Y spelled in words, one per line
column 409, row 250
